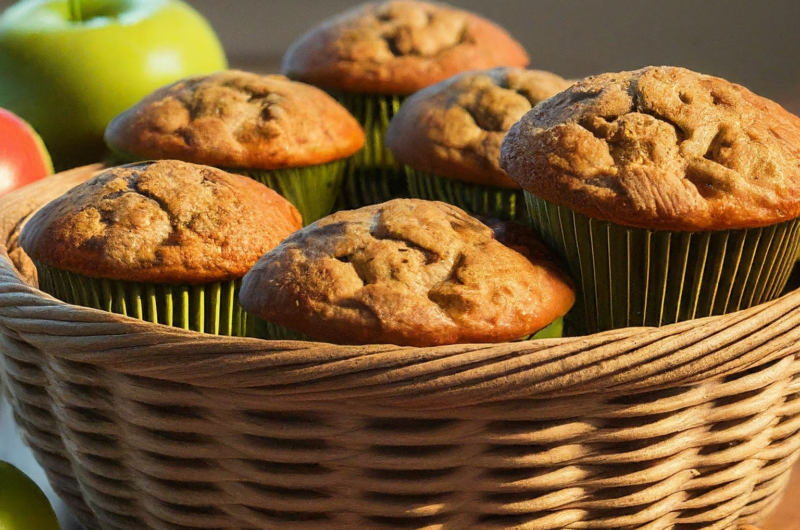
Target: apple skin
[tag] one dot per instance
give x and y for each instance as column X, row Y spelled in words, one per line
column 23, row 156
column 68, row 78
column 23, row 506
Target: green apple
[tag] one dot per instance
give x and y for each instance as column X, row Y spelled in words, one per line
column 68, row 67
column 23, row 506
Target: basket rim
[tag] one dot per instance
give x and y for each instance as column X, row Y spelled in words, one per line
column 627, row 360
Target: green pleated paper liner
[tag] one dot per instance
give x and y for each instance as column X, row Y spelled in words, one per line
column 264, row 329
column 208, row 308
column 497, row 203
column 364, row 186
column 117, row 157
column 554, row 330
column 373, row 112
column 313, row 190
column 373, row 175
column 635, row 277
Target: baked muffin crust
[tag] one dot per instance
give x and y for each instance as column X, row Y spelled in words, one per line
column 661, row 148
column 398, row 47
column 407, row 272
column 236, row 119
column 455, row 128
column 160, row 222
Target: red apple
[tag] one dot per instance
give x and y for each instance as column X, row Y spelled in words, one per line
column 23, row 157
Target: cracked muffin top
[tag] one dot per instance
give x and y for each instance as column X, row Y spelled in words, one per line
column 160, row 222
column 236, row 119
column 455, row 128
column 661, row 148
column 408, row 272
column 398, row 47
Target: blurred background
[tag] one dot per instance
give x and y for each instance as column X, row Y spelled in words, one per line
column 756, row 44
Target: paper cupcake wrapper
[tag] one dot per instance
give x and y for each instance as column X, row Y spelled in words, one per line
column 364, row 186
column 497, row 203
column 553, row 331
column 635, row 277
column 264, row 329
column 373, row 175
column 313, row 190
column 118, row 157
column 209, row 308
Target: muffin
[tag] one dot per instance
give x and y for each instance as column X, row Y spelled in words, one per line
column 373, row 56
column 164, row 241
column 448, row 137
column 407, row 272
column 670, row 194
column 290, row 136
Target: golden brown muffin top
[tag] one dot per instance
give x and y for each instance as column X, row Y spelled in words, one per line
column 661, row 148
column 407, row 272
column 236, row 119
column 398, row 47
column 160, row 222
column 455, row 128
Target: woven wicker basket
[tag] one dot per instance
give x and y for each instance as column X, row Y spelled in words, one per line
column 689, row 426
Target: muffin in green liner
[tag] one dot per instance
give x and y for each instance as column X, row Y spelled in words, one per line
column 166, row 242
column 448, row 137
column 669, row 194
column 407, row 272
column 290, row 136
column 373, row 56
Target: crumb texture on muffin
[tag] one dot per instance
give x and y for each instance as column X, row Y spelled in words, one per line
column 661, row 148
column 455, row 128
column 407, row 272
column 398, row 47
column 237, row 119
column 161, row 222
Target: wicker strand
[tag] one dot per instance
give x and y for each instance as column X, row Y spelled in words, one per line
column 635, row 358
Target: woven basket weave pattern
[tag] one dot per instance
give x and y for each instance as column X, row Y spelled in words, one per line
column 686, row 427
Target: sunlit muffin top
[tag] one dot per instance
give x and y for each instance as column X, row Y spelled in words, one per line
column 398, row 47
column 409, row 272
column 661, row 148
column 235, row 119
column 160, row 222
column 455, row 128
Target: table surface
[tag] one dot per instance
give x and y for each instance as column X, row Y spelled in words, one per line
column 787, row 517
